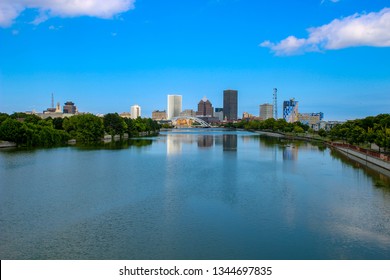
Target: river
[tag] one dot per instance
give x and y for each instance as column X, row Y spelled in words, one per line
column 192, row 194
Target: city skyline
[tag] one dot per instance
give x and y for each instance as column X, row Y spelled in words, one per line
column 136, row 52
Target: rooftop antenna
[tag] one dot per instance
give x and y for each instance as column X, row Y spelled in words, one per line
column 275, row 103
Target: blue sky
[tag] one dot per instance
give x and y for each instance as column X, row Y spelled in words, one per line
column 106, row 55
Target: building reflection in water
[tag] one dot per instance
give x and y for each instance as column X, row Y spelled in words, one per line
column 205, row 141
column 175, row 142
column 230, row 142
column 290, row 153
column 174, row 145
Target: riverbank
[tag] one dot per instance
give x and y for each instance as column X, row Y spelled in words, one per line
column 371, row 159
column 287, row 136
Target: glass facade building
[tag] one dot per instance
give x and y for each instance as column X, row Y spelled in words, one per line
column 230, row 104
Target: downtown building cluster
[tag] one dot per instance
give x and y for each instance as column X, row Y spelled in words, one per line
column 205, row 110
column 207, row 113
column 229, row 112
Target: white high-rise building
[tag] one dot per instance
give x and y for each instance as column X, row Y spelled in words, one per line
column 135, row 111
column 174, row 107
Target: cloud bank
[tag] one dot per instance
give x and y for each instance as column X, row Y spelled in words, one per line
column 11, row 9
column 371, row 29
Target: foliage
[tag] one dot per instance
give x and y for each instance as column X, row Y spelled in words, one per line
column 85, row 128
column 135, row 126
column 368, row 130
column 114, row 124
column 31, row 130
column 271, row 124
column 322, row 132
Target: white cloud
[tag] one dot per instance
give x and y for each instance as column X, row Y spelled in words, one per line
column 11, row 9
column 55, row 28
column 357, row 30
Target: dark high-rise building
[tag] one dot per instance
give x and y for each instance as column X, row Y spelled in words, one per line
column 205, row 108
column 230, row 104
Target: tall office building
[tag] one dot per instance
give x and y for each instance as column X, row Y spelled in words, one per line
column 174, row 106
column 230, row 104
column 290, row 110
column 135, row 111
column 266, row 111
column 205, row 108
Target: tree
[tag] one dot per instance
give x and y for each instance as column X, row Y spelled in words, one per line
column 3, row 117
column 57, row 123
column 114, row 124
column 322, row 132
column 85, row 128
column 356, row 135
column 11, row 130
column 298, row 129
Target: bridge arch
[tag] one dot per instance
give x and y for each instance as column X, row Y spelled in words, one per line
column 198, row 120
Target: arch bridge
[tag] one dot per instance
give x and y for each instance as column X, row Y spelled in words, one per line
column 200, row 121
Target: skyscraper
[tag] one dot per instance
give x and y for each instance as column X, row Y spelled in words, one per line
column 174, row 107
column 266, row 111
column 290, row 110
column 205, row 108
column 230, row 104
column 135, row 111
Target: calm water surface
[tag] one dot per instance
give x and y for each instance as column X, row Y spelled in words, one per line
column 192, row 194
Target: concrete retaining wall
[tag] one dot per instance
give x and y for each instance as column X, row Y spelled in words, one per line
column 365, row 159
column 6, row 144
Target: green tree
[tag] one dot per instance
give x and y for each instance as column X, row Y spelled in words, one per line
column 322, row 132
column 298, row 129
column 114, row 124
column 85, row 128
column 356, row 135
column 11, row 130
column 57, row 123
column 3, row 117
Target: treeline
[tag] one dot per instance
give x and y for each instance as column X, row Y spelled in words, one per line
column 361, row 131
column 364, row 131
column 31, row 130
column 279, row 125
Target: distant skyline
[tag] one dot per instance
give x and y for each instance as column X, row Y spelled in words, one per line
column 107, row 55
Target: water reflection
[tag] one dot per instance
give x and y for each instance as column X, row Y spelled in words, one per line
column 230, row 143
column 380, row 180
column 205, row 141
column 225, row 195
column 176, row 141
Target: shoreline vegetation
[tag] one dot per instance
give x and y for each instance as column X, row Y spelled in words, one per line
column 26, row 130
column 365, row 140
